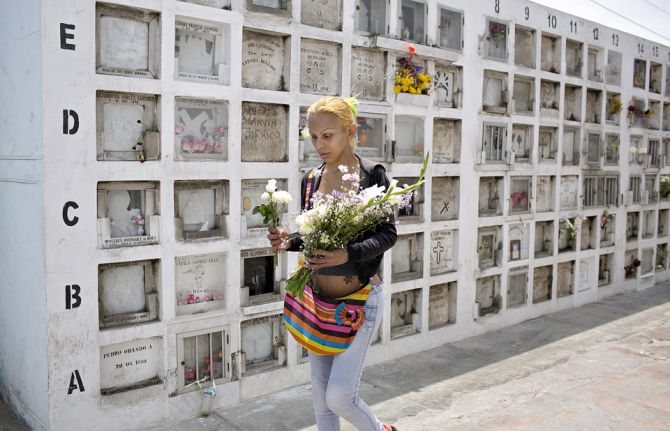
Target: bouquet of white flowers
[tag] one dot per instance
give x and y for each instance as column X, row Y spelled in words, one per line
column 271, row 211
column 335, row 220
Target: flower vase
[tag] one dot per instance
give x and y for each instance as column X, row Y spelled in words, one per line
column 208, row 395
column 152, row 144
column 562, row 241
column 140, row 230
column 420, row 100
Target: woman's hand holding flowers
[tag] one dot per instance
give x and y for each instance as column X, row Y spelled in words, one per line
column 324, row 258
column 279, row 239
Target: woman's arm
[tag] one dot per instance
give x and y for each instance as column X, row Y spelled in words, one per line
column 295, row 240
column 385, row 234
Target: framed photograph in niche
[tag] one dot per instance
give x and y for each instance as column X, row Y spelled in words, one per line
column 407, row 258
column 405, row 313
column 524, row 46
column 450, row 29
column 281, row 8
column 444, row 202
column 264, row 132
column 368, row 73
column 131, row 365
column 488, row 300
column 409, row 137
column 448, row 86
column 489, row 246
column 252, row 224
column 413, row 19
column 550, row 53
column 414, row 212
column 523, row 97
column 128, row 213
column 200, row 283
column 263, row 344
column 442, row 304
column 201, row 129
column 204, row 354
column 266, row 60
column 323, row 14
column 128, row 293
column 515, row 249
column 218, row 4
column 517, row 283
column 201, row 209
column 494, row 98
column 370, row 17
column 372, row 137
column 443, row 247
column 320, row 67
column 446, row 140
column 202, row 51
column 127, row 41
column 118, row 127
column 261, row 280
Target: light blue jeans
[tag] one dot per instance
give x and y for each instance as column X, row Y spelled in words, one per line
column 336, row 378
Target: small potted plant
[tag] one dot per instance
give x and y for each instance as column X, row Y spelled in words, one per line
column 148, row 141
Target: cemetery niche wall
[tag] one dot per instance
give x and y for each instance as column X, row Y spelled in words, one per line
column 548, row 186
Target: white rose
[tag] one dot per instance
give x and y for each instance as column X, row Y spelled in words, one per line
column 265, row 196
column 271, row 186
column 282, row 197
column 305, row 224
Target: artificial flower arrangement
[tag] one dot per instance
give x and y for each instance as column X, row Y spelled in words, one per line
column 632, row 268
column 335, row 220
column 271, row 211
column 569, row 226
column 497, row 31
column 410, row 78
column 635, row 110
column 210, row 143
column 614, row 106
column 139, row 146
column 605, row 219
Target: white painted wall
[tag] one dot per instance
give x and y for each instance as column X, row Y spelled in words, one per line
column 23, row 324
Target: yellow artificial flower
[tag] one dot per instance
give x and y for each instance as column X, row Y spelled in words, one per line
column 396, row 89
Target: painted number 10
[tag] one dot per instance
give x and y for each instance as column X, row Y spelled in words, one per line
column 551, row 20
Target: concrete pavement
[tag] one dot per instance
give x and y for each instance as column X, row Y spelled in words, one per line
column 602, row 366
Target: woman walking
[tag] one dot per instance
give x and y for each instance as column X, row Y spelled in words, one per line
column 346, row 274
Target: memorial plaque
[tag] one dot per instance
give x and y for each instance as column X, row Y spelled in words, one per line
column 544, row 200
column 322, row 13
column 130, row 365
column 275, row 7
column 371, row 134
column 595, row 64
column 252, row 224
column 548, row 143
column 127, row 42
column 542, row 280
column 445, row 194
column 570, row 146
column 613, row 70
column 448, row 86
column 518, row 236
column 442, row 252
column 117, row 127
column 522, row 143
column 259, row 277
column 516, row 288
column 574, row 55
column 370, row 17
column 320, row 71
column 489, row 246
column 588, row 233
column 490, row 191
column 200, row 209
column 524, row 46
column 265, row 61
column 127, row 293
column 368, row 68
column 568, row 194
column 407, row 257
column 219, row 4
column 262, row 339
column 573, row 103
column 127, row 214
column 584, row 275
column 405, row 318
column 524, row 95
column 200, row 283
column 441, row 304
column 487, row 295
column 408, row 139
column 564, row 281
column 203, row 355
column 201, row 129
column 495, row 92
column 550, row 53
column 446, row 140
column 264, row 132
column 200, row 52
column 519, row 194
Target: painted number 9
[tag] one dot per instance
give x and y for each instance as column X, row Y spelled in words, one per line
column 526, row 12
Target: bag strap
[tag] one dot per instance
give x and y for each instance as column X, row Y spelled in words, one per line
column 308, row 192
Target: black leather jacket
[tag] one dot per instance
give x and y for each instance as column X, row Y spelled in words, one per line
column 367, row 249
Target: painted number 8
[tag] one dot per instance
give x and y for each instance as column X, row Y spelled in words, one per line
column 496, row 6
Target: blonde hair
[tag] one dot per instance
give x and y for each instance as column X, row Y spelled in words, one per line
column 345, row 110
